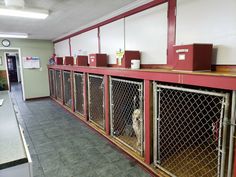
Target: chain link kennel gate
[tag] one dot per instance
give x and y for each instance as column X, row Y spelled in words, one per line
column 79, row 92
column 58, row 84
column 96, row 100
column 51, row 82
column 190, row 131
column 126, row 98
column 67, row 88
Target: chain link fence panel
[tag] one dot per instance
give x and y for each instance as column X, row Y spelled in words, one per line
column 58, row 84
column 126, row 98
column 96, row 100
column 189, row 138
column 79, row 92
column 67, row 88
column 52, row 82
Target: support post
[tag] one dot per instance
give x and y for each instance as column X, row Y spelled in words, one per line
column 107, row 104
column 147, row 120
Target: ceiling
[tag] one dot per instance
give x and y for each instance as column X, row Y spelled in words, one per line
column 65, row 16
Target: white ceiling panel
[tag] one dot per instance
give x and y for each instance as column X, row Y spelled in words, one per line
column 65, row 16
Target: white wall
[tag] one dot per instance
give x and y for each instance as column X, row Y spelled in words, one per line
column 209, row 21
column 85, row 43
column 147, row 32
column 62, row 48
column 112, row 39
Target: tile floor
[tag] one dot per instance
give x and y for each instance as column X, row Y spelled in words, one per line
column 62, row 146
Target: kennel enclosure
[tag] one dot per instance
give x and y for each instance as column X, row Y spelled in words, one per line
column 96, row 100
column 79, row 92
column 58, row 79
column 190, row 131
column 67, row 88
column 126, row 97
column 51, row 82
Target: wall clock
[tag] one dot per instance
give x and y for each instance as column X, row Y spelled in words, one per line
column 6, row 43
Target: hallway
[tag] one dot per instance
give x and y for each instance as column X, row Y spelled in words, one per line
column 61, row 146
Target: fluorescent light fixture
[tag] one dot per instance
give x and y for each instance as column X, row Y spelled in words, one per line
column 13, row 35
column 26, row 13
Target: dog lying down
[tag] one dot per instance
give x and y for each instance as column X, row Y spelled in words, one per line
column 136, row 118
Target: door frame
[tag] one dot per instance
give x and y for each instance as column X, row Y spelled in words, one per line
column 8, row 50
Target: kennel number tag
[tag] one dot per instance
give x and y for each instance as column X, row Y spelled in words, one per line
column 181, row 56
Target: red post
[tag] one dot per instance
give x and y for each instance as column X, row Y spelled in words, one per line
column 85, row 98
column 171, row 31
column 147, row 119
column 107, row 105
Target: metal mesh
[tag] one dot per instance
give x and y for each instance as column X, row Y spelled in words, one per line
column 51, row 82
column 58, row 84
column 127, row 112
column 188, row 131
column 67, row 88
column 96, row 100
column 79, row 92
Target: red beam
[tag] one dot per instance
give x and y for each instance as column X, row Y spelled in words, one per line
column 107, row 107
column 147, row 120
column 205, row 79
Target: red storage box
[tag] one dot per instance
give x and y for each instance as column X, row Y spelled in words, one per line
column 69, row 60
column 193, row 57
column 82, row 60
column 127, row 57
column 98, row 59
column 59, row 61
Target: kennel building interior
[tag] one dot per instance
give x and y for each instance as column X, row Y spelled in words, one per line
column 185, row 125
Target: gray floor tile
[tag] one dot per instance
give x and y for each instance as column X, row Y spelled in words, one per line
column 62, row 146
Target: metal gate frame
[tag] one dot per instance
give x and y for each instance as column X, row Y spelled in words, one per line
column 75, row 93
column 223, row 125
column 64, row 85
column 89, row 100
column 141, row 97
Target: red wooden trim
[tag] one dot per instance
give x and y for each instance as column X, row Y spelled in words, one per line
column 107, row 107
column 72, row 92
column 171, row 31
column 99, row 41
column 85, row 98
column 70, row 46
column 220, row 81
column 123, row 15
column 147, row 120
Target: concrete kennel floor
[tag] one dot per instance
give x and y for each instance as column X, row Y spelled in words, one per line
column 61, row 146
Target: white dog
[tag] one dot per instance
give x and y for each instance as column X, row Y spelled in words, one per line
column 136, row 118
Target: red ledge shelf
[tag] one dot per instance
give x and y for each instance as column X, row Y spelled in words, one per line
column 220, row 80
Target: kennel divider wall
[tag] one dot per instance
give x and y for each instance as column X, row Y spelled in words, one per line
column 79, row 92
column 96, row 100
column 126, row 96
column 52, row 82
column 67, row 88
column 190, row 131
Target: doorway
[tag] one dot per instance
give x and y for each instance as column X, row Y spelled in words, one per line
column 12, row 67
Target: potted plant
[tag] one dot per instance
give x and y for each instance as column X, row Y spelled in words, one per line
column 3, row 83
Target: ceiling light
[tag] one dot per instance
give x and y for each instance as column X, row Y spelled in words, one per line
column 26, row 13
column 13, row 35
